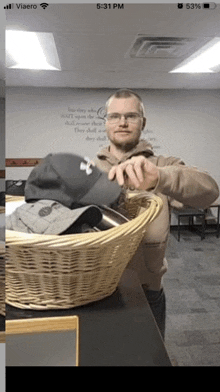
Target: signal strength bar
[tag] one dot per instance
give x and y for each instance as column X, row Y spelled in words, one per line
column 9, row 6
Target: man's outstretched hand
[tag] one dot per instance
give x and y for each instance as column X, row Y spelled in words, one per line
column 137, row 172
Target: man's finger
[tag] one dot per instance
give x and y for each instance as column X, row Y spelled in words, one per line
column 111, row 174
column 132, row 177
column 140, row 164
column 138, row 168
column 120, row 175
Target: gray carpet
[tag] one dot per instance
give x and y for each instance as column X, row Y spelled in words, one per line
column 192, row 286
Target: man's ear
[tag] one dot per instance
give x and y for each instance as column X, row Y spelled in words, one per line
column 144, row 123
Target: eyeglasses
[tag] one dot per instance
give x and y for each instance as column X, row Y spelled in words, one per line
column 114, row 118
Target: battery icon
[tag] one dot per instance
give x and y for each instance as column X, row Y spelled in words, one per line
column 210, row 6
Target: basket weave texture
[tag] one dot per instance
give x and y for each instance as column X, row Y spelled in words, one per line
column 61, row 272
column 2, row 272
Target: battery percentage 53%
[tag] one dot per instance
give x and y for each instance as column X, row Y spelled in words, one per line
column 191, row 6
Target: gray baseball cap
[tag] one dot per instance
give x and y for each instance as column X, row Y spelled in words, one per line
column 70, row 180
column 50, row 217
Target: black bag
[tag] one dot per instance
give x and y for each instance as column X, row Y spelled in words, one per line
column 2, row 199
column 15, row 187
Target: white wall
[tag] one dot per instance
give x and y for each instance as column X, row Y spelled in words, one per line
column 2, row 141
column 182, row 123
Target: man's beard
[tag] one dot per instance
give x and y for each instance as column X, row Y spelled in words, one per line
column 125, row 146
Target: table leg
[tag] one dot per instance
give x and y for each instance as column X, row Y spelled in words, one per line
column 218, row 218
column 203, row 227
column 178, row 228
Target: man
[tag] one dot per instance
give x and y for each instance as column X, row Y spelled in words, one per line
column 131, row 162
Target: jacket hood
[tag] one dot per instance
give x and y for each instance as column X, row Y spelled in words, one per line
column 142, row 148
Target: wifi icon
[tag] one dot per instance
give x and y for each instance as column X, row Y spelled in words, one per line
column 44, row 5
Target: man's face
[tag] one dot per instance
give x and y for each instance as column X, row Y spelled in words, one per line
column 124, row 134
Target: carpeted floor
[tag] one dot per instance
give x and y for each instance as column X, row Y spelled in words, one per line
column 192, row 286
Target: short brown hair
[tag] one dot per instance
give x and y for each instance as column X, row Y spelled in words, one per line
column 125, row 93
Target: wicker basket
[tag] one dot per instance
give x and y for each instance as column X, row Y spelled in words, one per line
column 60, row 272
column 2, row 272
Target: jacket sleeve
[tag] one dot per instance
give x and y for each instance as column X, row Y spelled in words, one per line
column 187, row 185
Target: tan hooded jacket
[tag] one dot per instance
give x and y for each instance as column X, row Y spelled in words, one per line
column 178, row 185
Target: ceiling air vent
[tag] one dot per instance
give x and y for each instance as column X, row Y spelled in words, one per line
column 162, row 47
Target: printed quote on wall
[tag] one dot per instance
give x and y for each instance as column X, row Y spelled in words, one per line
column 90, row 123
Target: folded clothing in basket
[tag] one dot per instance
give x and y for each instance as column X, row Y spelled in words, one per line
column 51, row 217
column 70, row 180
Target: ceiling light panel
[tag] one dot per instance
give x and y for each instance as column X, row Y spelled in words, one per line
column 205, row 60
column 31, row 50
